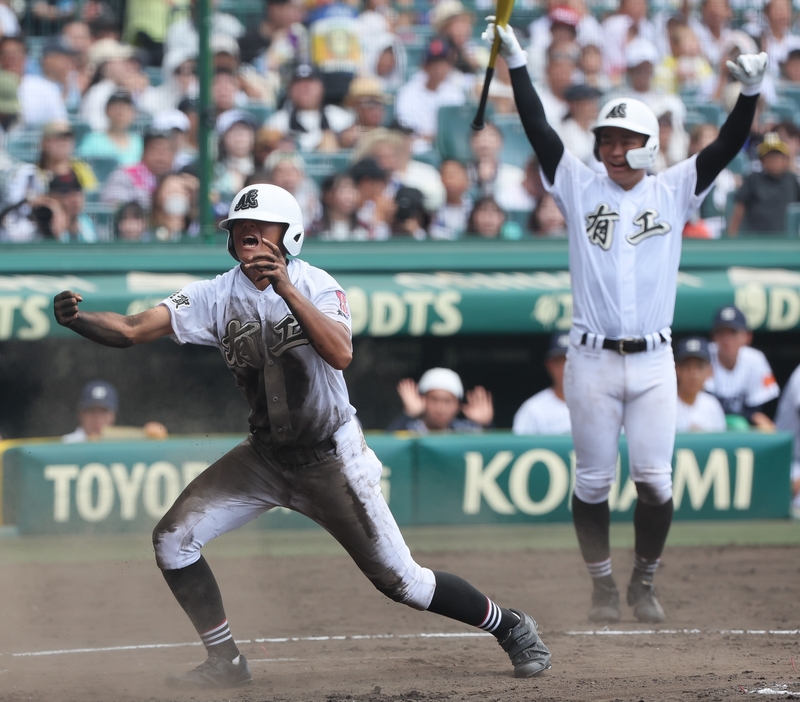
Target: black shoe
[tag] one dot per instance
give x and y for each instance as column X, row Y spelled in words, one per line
column 216, row 672
column 525, row 649
column 605, row 603
column 642, row 597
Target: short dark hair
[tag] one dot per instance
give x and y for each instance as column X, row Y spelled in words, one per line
column 152, row 134
column 18, row 38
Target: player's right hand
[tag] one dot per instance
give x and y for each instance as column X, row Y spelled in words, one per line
column 510, row 49
column 65, row 307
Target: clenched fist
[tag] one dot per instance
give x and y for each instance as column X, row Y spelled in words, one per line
column 65, row 307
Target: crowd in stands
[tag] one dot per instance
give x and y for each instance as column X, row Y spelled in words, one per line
column 361, row 109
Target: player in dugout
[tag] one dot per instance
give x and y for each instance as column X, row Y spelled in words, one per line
column 624, row 228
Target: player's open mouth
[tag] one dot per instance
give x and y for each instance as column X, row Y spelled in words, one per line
column 250, row 241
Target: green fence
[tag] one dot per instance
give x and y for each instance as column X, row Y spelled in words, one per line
column 482, row 479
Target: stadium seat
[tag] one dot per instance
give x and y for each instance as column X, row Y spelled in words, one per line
column 790, row 93
column 80, row 129
column 102, row 216
column 711, row 112
column 432, row 158
column 102, row 166
column 154, row 74
column 320, row 165
column 783, row 110
column 25, row 144
column 261, row 113
column 453, row 130
column 793, row 221
column 516, row 147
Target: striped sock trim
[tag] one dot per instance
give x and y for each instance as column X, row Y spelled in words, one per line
column 645, row 566
column 217, row 635
column 493, row 616
column 601, row 569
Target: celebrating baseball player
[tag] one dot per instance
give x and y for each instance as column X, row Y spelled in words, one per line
column 283, row 328
column 624, row 229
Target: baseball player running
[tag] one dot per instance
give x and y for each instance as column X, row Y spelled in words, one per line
column 283, row 328
column 624, row 229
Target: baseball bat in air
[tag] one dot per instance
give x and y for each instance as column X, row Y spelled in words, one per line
column 502, row 16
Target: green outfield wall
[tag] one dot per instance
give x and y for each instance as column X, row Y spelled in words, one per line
column 496, row 478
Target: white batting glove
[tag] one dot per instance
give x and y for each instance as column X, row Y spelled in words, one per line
column 510, row 49
column 749, row 70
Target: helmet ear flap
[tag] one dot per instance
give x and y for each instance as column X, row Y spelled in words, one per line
column 231, row 247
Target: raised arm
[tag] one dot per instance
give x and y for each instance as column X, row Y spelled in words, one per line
column 110, row 328
column 749, row 69
column 543, row 138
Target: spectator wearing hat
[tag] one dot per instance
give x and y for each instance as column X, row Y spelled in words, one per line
column 575, row 130
column 453, row 21
column 629, row 21
column 178, row 81
column 559, row 26
column 697, row 410
column 339, row 220
column 97, row 414
column 391, row 148
column 547, row 412
column 77, row 226
column 742, row 379
column 762, row 200
column 250, row 84
column 385, row 58
column 367, row 99
column 178, row 125
column 436, row 403
column 434, row 86
column 59, row 66
column 450, row 221
column 40, row 98
column 313, row 125
column 235, row 131
column 183, row 31
column 375, row 207
column 790, row 69
column 118, row 141
column 138, row 182
column 114, row 69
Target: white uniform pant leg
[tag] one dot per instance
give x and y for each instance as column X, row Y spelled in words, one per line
column 594, row 385
column 649, row 420
column 342, row 494
column 229, row 493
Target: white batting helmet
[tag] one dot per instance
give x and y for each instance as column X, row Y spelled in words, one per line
column 634, row 115
column 267, row 203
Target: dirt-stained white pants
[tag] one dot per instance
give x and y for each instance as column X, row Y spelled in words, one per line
column 340, row 492
column 606, row 391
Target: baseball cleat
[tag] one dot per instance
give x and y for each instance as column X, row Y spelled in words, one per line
column 605, row 603
column 525, row 649
column 215, row 672
column 642, row 597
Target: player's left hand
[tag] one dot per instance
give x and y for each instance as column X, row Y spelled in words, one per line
column 269, row 265
column 479, row 407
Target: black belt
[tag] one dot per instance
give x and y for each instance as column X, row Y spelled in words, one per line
column 295, row 453
column 624, row 346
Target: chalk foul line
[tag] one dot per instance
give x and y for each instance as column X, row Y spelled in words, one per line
column 434, row 635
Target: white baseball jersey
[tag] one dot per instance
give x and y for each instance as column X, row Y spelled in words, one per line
column 291, row 390
column 787, row 418
column 749, row 383
column 544, row 413
column 705, row 414
column 625, row 246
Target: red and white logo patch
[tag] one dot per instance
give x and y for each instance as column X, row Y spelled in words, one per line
column 344, row 310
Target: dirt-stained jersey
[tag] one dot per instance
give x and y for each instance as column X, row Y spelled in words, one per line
column 291, row 390
column 624, row 245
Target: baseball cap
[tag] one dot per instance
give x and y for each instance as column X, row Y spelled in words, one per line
column 305, row 71
column 730, row 317
column 368, row 169
column 65, row 183
column 444, row 11
column 439, row 49
column 224, row 44
column 561, row 14
column 98, row 393
column 640, row 51
column 559, row 344
column 58, row 45
column 109, row 50
column 167, row 120
column 441, row 379
column 230, row 117
column 581, row 91
column 692, row 347
column 119, row 96
column 772, row 142
column 365, row 87
column 57, row 127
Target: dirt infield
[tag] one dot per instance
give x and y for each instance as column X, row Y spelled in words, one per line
column 315, row 630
